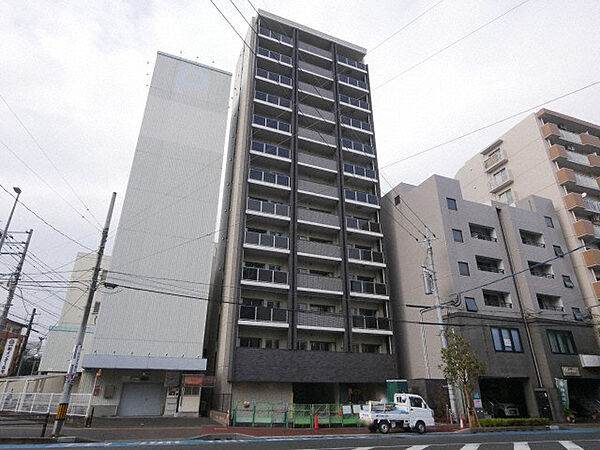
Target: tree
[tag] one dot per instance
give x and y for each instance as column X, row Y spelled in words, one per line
column 461, row 367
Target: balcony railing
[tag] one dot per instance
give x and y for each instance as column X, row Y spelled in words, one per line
column 318, row 248
column 264, row 275
column 272, row 76
column 318, row 282
column 316, row 112
column 310, row 215
column 365, row 255
column 550, row 306
column 314, row 90
column 357, row 146
column 317, row 136
column 499, row 180
column 277, row 36
column 596, row 230
column 359, row 171
column 592, row 205
column 269, row 177
column 354, row 101
column 321, row 319
column 317, row 188
column 355, row 123
column 368, row 287
column 493, row 159
column 371, row 323
column 315, row 69
column 267, row 240
column 538, row 272
column 273, row 99
column 317, row 161
column 313, row 49
column 270, row 149
column 361, row 197
column 497, row 302
column 271, row 123
column 363, row 225
column 489, row 268
column 275, row 56
column 585, row 181
column 351, row 62
column 578, row 158
column 483, row 236
column 570, row 136
column 353, row 82
column 263, row 313
column 266, row 207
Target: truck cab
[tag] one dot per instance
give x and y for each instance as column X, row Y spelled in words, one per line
column 409, row 412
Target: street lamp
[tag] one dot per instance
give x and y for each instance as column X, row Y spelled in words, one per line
column 5, row 232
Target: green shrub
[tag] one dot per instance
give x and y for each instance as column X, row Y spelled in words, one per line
column 535, row 421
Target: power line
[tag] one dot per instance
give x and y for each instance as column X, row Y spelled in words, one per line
column 232, row 27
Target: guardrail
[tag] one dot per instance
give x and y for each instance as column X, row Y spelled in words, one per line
column 43, row 403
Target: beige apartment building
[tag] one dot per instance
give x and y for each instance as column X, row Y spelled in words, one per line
column 555, row 156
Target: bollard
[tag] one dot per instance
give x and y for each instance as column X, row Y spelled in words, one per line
column 45, row 424
column 316, row 421
column 88, row 419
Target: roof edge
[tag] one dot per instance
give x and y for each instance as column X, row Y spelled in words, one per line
column 189, row 61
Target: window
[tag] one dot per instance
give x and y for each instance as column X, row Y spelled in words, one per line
column 549, row 222
column 370, row 348
column 471, row 304
column 463, row 269
column 497, row 299
column 561, row 342
column 567, row 281
column 451, row 204
column 397, row 200
column 271, row 343
column 250, row 342
column 457, row 234
column 96, row 308
column 506, row 197
column 322, row 346
column 500, row 177
column 558, row 251
column 507, row 340
column 416, row 402
column 577, row 314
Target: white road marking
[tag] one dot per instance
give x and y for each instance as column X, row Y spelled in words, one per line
column 570, row 445
column 521, row 446
column 417, row 447
column 470, row 447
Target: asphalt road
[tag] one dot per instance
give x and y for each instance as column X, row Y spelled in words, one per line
column 542, row 440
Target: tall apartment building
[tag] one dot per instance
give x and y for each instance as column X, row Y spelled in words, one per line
column 149, row 344
column 305, row 307
column 528, row 330
column 554, row 156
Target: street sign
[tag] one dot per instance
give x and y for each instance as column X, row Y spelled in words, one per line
column 7, row 357
column 563, row 390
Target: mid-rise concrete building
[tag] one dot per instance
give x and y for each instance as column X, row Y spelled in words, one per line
column 528, row 329
column 305, row 314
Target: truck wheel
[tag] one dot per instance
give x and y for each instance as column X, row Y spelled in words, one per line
column 384, row 427
column 420, row 427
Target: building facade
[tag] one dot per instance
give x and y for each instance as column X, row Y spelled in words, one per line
column 149, row 338
column 305, row 314
column 529, row 329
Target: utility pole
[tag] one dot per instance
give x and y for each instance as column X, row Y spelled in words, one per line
column 24, row 343
column 61, row 413
column 14, row 281
column 437, row 305
column 3, row 237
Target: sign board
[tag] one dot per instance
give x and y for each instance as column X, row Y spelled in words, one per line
column 563, row 391
column 476, row 395
column 477, row 403
column 570, row 371
column 356, row 409
column 7, row 357
column 346, row 409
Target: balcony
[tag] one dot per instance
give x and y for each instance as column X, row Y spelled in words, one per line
column 355, row 102
column 310, row 89
column 532, row 238
column 345, row 61
column 271, row 124
column 316, row 113
column 590, row 140
column 325, row 191
column 314, row 50
column 596, row 286
column 272, row 179
column 363, row 256
column 591, row 256
column 551, row 130
column 368, row 288
column 273, row 77
column 575, row 202
column 318, row 218
column 274, row 317
column 358, row 148
column 500, row 181
column 267, row 241
column 318, row 283
column 379, row 325
column 540, row 270
column 482, row 233
column 550, row 302
column 363, row 226
column 497, row 299
column 489, row 264
column 584, row 229
column 316, row 162
column 277, row 37
column 317, row 137
column 319, row 250
column 270, row 150
column 265, row 277
column 267, row 208
column 355, row 124
column 315, row 70
column 361, row 198
column 353, row 82
column 273, row 100
column 274, row 56
column 317, row 320
column 494, row 160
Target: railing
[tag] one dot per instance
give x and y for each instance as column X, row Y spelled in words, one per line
column 269, row 177
column 578, row 158
column 365, row 255
column 313, row 49
column 316, row 112
column 318, row 282
column 359, row 171
column 318, row 248
column 266, row 207
column 277, row 36
column 273, row 99
column 321, row 319
column 313, row 160
column 489, row 268
column 357, row 146
column 570, row 136
column 270, row 149
column 371, row 322
column 316, row 136
column 354, row 101
column 544, row 305
column 483, row 236
column 497, row 303
column 353, row 82
column 263, row 313
column 43, row 403
column 592, row 205
column 314, row 90
column 541, row 273
column 272, row 76
column 317, row 188
column 275, row 56
column 499, row 180
column 351, row 62
column 362, row 197
column 267, row 240
column 310, row 215
column 368, row 287
column 355, row 123
column 315, row 69
column 364, row 225
column 527, row 240
column 493, row 159
column 596, row 230
column 264, row 275
column 586, row 181
column 271, row 123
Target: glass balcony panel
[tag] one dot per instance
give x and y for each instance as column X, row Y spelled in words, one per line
column 256, row 174
column 365, row 255
column 380, row 289
column 269, row 177
column 250, row 273
column 283, row 180
column 284, row 127
column 265, row 275
column 360, row 171
column 355, row 286
column 279, row 315
column 267, row 240
column 282, row 210
column 263, row 313
column 383, row 323
column 375, row 227
column 247, row 312
column 254, row 204
column 358, row 322
column 252, row 237
column 378, row 257
column 281, row 242
column 353, row 253
column 280, row 277
column 370, row 322
column 361, row 197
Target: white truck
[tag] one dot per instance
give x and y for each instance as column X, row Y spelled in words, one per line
column 408, row 412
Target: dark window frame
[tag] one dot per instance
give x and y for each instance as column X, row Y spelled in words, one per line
column 549, row 221
column 471, row 304
column 455, row 232
column 568, row 282
column 555, row 347
column 451, row 204
column 558, row 251
column 462, row 264
column 515, row 338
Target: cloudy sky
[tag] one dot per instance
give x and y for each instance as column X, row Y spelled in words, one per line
column 76, row 75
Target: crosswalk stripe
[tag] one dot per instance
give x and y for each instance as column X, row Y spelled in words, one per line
column 570, row 445
column 417, row 447
column 521, row 446
column 470, row 447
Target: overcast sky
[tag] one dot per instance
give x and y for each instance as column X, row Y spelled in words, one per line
column 77, row 73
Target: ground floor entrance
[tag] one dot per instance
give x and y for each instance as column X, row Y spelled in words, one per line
column 141, row 399
column 584, row 397
column 503, row 397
